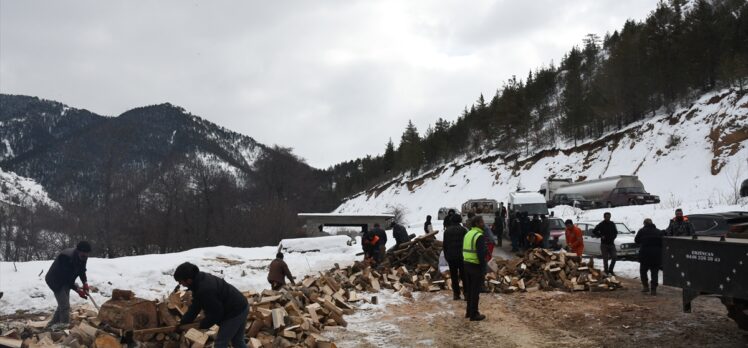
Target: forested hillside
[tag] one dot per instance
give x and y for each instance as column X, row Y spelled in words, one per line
column 154, row 179
column 680, row 51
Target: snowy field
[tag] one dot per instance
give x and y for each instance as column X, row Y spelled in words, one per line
column 150, row 276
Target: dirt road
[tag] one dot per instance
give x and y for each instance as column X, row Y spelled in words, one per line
column 623, row 318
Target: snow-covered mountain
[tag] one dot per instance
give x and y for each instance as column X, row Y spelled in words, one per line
column 73, row 153
column 695, row 155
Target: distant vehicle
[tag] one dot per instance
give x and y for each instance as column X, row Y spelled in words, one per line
column 728, row 224
column 484, row 207
column 572, row 199
column 606, row 192
column 558, row 230
column 549, row 187
column 443, row 212
column 625, row 246
column 744, row 188
column 529, row 202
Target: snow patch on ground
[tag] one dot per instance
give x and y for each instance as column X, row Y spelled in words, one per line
column 150, row 276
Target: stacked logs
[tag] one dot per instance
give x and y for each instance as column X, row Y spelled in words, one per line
column 424, row 249
column 541, row 269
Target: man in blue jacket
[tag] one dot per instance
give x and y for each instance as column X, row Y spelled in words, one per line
column 222, row 304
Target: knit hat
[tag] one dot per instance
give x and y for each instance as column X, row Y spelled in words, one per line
column 83, row 246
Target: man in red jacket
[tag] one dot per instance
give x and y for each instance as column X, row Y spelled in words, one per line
column 574, row 238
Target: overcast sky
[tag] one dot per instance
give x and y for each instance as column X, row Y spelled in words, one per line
column 331, row 79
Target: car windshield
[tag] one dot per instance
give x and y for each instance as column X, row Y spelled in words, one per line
column 532, row 208
column 622, row 228
column 557, row 224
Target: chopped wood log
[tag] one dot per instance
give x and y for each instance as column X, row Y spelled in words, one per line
column 279, row 316
column 122, row 295
column 165, row 317
column 254, row 343
column 196, row 337
column 107, row 341
column 10, row 342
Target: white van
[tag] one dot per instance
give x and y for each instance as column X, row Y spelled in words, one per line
column 484, row 207
column 527, row 201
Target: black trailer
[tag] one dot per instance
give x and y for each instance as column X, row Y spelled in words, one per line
column 709, row 266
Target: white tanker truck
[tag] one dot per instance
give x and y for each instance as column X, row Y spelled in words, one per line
column 606, row 192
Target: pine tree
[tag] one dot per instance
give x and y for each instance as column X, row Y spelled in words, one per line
column 388, row 159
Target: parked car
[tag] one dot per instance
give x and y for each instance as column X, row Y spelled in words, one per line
column 625, row 246
column 573, row 199
column 744, row 188
column 732, row 224
column 557, row 231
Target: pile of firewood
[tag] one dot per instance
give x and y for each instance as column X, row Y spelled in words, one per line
column 541, row 269
column 424, row 249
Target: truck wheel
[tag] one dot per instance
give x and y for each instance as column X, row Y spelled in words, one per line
column 632, row 201
column 739, row 313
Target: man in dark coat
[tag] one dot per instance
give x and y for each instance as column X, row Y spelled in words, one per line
column 370, row 245
column 448, row 218
column 452, row 246
column 69, row 265
column 400, row 233
column 545, row 231
column 650, row 255
column 679, row 225
column 427, row 226
column 498, row 228
column 222, row 304
column 278, row 272
column 515, row 230
column 381, row 243
column 525, row 229
column 607, row 232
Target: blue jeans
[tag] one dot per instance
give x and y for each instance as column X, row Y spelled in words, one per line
column 232, row 330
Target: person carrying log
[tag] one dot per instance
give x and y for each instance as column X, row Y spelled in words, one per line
column 574, row 238
column 69, row 265
column 221, row 302
column 474, row 253
column 278, row 272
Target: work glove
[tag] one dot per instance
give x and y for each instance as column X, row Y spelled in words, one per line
column 86, row 289
column 81, row 293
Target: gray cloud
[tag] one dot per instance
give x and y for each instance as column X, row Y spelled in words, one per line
column 331, row 79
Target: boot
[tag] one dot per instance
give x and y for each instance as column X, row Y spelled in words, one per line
column 653, row 292
column 645, row 288
column 478, row 317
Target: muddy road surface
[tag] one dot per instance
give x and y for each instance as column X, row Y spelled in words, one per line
column 622, row 318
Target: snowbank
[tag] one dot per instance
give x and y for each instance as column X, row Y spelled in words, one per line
column 150, row 276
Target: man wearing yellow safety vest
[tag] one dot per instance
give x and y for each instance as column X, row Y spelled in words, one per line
column 474, row 251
